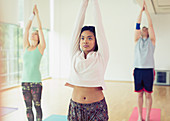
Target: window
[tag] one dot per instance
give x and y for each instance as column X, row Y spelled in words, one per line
column 9, row 59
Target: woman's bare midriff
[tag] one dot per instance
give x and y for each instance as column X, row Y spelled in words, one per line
column 86, row 95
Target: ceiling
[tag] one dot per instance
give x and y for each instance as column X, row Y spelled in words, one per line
column 157, row 6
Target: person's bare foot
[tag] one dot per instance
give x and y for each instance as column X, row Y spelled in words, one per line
column 140, row 119
column 147, row 119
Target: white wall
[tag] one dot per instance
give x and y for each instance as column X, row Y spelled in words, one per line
column 54, row 43
column 9, row 11
column 162, row 30
column 44, row 12
column 119, row 19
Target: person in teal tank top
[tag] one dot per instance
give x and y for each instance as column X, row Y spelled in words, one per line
column 144, row 63
column 31, row 77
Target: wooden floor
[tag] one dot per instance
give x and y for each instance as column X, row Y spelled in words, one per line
column 55, row 100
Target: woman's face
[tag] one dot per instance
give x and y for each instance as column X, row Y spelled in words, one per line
column 34, row 38
column 87, row 41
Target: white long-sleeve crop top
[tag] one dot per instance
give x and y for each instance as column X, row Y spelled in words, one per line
column 88, row 72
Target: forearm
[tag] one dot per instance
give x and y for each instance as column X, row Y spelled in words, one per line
column 28, row 26
column 41, row 35
column 26, row 33
column 139, row 17
column 31, row 18
column 80, row 19
column 137, row 29
column 39, row 22
column 149, row 18
column 78, row 25
column 100, row 34
column 150, row 27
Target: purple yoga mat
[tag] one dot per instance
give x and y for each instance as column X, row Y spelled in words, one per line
column 7, row 110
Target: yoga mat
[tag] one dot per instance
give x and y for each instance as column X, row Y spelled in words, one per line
column 7, row 110
column 56, row 118
column 155, row 114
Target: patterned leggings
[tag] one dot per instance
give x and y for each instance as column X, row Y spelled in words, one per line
column 32, row 92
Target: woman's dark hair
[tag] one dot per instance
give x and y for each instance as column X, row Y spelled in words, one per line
column 91, row 29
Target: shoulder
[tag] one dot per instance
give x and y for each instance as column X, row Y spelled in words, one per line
column 94, row 54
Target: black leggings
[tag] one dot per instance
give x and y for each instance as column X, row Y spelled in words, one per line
column 32, row 92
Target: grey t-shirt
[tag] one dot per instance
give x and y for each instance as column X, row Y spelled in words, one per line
column 144, row 54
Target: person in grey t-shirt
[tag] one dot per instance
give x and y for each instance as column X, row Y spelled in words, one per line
column 144, row 63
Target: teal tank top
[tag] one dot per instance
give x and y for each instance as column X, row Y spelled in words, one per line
column 31, row 64
column 144, row 54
